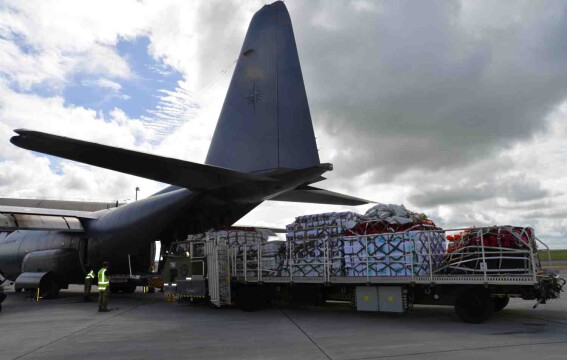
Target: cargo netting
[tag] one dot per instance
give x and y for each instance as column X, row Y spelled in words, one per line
column 494, row 250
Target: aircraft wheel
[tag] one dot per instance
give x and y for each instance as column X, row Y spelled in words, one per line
column 474, row 306
column 30, row 293
column 500, row 303
column 129, row 289
column 49, row 290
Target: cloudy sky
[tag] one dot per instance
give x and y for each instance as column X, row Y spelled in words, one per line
column 454, row 108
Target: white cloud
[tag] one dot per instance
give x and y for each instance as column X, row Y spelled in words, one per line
column 403, row 103
column 103, row 83
column 108, row 84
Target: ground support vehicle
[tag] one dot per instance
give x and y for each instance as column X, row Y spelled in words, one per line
column 213, row 268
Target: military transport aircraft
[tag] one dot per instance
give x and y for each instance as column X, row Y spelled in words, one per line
column 263, row 148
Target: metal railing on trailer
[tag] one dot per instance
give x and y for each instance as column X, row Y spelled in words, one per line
column 529, row 273
column 371, row 271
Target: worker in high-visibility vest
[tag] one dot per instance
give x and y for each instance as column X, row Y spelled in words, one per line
column 88, row 282
column 103, row 288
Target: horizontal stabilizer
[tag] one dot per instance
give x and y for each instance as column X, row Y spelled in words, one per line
column 167, row 170
column 310, row 194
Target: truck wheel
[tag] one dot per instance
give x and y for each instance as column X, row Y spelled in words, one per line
column 500, row 303
column 247, row 299
column 474, row 306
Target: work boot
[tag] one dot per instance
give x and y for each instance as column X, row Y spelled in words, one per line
column 86, row 299
column 104, row 310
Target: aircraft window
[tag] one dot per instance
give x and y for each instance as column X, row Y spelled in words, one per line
column 248, row 52
column 198, row 250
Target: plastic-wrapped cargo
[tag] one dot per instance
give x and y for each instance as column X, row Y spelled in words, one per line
column 388, row 240
column 248, row 244
column 322, row 225
column 393, row 254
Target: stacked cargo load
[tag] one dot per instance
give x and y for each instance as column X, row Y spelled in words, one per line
column 312, row 239
column 388, row 240
column 400, row 243
column 249, row 248
column 494, row 250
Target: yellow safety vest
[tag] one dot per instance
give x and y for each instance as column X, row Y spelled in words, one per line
column 102, row 279
column 90, row 275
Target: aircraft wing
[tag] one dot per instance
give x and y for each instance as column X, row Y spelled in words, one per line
column 14, row 218
column 47, row 212
column 167, row 170
column 310, row 194
column 85, row 206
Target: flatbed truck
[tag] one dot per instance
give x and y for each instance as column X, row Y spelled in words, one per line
column 209, row 269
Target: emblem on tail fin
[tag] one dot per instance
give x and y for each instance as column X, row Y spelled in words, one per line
column 254, row 95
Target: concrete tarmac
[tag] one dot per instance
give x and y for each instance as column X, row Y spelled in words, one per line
column 145, row 326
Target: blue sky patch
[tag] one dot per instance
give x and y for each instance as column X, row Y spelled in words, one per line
column 135, row 96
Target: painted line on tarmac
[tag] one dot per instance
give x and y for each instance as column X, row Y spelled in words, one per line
column 457, row 350
column 553, row 321
column 305, row 333
column 79, row 331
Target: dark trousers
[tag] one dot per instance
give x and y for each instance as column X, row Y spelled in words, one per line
column 88, row 283
column 103, row 298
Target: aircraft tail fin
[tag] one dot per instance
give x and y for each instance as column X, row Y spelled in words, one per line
column 265, row 122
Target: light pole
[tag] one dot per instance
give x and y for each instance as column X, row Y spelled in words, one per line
column 137, row 189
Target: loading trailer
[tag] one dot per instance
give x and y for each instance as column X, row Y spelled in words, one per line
column 209, row 268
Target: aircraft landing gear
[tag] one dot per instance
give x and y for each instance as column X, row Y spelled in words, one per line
column 125, row 288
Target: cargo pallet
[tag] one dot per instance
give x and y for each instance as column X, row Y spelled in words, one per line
column 215, row 271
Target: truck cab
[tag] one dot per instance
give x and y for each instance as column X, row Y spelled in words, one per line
column 185, row 267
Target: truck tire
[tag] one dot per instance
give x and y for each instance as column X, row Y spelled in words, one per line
column 474, row 306
column 248, row 299
column 500, row 303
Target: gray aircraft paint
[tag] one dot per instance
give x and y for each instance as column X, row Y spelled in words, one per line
column 263, row 149
column 265, row 122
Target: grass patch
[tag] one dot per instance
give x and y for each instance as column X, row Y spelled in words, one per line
column 555, row 255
